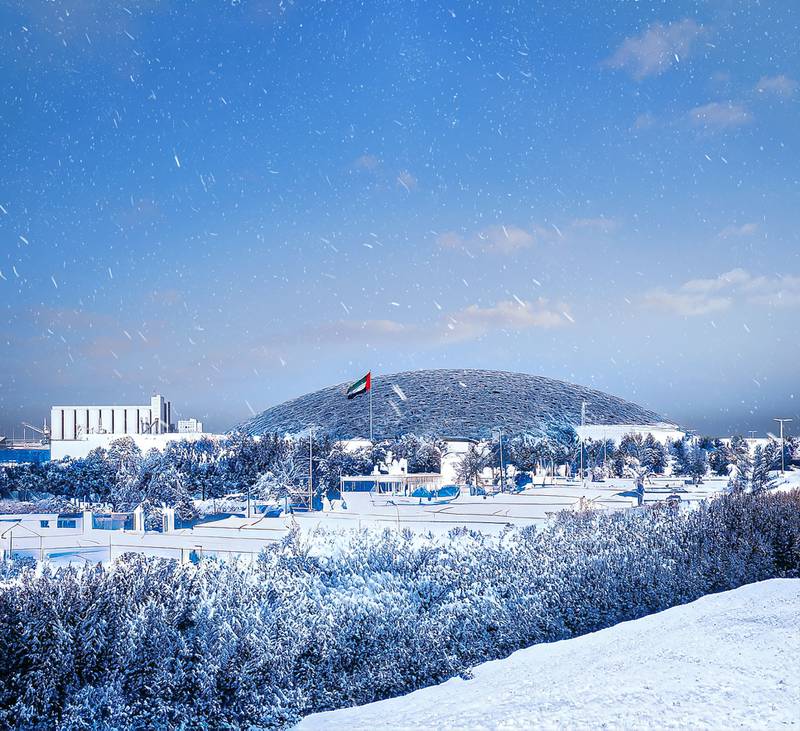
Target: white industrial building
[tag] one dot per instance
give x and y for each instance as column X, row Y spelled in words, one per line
column 190, row 426
column 76, row 430
column 75, row 422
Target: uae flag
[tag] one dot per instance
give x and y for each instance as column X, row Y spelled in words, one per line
column 360, row 386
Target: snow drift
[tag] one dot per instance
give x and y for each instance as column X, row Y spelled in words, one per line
column 729, row 660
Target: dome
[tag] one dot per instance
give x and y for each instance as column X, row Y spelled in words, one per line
column 454, row 403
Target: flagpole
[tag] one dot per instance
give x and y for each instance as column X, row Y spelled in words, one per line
column 370, row 407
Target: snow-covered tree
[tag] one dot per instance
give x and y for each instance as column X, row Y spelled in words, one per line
column 741, row 464
column 697, row 462
column 152, row 643
column 719, row 458
column 474, row 461
column 286, row 478
column 760, row 478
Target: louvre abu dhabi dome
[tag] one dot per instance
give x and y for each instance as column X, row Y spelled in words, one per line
column 448, row 403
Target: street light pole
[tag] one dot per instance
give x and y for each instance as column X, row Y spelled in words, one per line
column 583, row 424
column 311, row 468
column 783, row 453
column 502, row 468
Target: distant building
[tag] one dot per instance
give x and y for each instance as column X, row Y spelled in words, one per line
column 75, row 422
column 190, row 426
column 76, row 430
column 463, row 403
column 663, row 432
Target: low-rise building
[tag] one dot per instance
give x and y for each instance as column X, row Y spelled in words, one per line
column 190, row 426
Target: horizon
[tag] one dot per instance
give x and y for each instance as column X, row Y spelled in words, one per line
column 767, row 433
column 237, row 207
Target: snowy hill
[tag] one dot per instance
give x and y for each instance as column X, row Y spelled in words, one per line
column 727, row 660
column 450, row 403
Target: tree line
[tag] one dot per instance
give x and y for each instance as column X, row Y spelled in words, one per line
column 271, row 466
column 635, row 456
column 267, row 468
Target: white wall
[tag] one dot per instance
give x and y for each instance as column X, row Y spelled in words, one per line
column 75, row 422
column 615, row 432
column 77, row 448
column 189, row 426
column 69, row 423
column 453, row 454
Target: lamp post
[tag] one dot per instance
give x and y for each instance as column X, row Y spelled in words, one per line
column 583, row 424
column 499, row 432
column 783, row 453
column 311, row 467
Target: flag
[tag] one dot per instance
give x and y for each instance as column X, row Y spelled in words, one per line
column 362, row 385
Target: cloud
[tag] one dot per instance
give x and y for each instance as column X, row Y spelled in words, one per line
column 645, row 121
column 367, row 330
column 724, row 281
column 716, row 294
column 505, row 239
column 733, row 231
column 469, row 323
column 509, row 238
column 366, row 162
column 450, row 240
column 475, row 321
column 781, row 85
column 600, row 224
column 347, row 331
column 501, row 238
column 656, row 49
column 685, row 303
column 718, row 115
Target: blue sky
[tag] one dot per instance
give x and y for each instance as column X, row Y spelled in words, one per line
column 233, row 203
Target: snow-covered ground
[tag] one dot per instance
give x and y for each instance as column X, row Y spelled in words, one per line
column 786, row 482
column 231, row 537
column 729, row 660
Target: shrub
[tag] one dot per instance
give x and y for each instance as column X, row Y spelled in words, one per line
column 338, row 619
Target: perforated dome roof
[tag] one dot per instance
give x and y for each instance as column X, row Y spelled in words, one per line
column 454, row 403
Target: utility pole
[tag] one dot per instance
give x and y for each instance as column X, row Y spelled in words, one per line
column 783, row 456
column 583, row 424
column 499, row 432
column 502, row 466
column 311, row 467
column 369, row 388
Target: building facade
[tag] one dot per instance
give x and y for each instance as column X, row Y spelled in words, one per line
column 69, row 423
column 190, row 426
